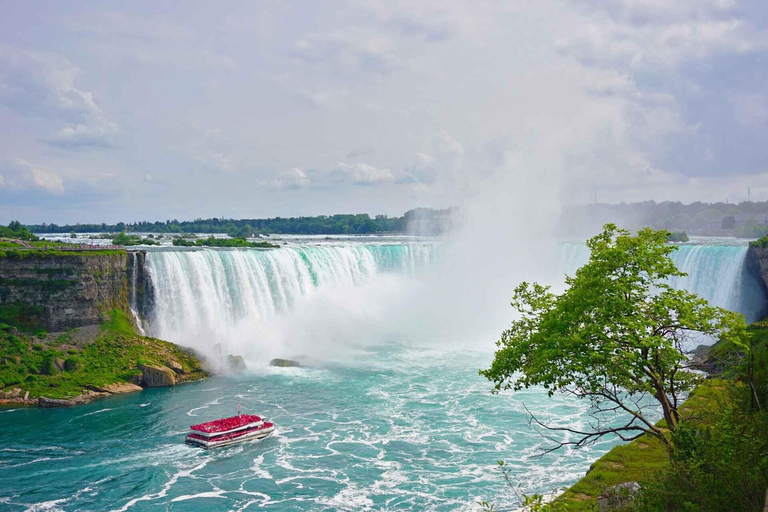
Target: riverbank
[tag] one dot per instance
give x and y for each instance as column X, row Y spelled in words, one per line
column 79, row 365
column 641, row 459
column 644, row 459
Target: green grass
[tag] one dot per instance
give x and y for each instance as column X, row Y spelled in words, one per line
column 113, row 357
column 222, row 242
column 630, row 462
column 23, row 316
column 22, row 254
column 35, row 243
column 641, row 459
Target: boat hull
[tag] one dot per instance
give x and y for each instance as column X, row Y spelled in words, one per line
column 248, row 436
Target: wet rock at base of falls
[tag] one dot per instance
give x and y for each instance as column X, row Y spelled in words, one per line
column 236, row 364
column 284, row 363
column 55, row 402
column 13, row 393
column 86, row 397
column 156, row 376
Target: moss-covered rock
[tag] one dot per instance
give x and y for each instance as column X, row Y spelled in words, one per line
column 108, row 361
column 157, row 376
column 284, row 363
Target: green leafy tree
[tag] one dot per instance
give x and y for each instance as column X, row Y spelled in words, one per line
column 16, row 230
column 617, row 337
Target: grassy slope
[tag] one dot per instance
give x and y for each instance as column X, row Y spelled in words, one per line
column 7, row 244
column 112, row 357
column 640, row 459
column 22, row 254
column 9, row 249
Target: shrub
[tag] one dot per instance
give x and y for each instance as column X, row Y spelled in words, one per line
column 723, row 466
column 680, row 236
column 73, row 364
column 48, row 367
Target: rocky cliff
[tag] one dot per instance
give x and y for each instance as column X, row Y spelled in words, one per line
column 64, row 290
column 757, row 259
column 140, row 287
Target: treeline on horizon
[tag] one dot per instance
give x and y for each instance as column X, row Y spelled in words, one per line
column 418, row 220
column 748, row 219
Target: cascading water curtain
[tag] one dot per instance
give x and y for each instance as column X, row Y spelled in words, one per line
column 717, row 273
column 204, row 293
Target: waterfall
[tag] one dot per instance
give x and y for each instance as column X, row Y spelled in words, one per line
column 716, row 272
column 134, row 285
column 204, row 298
column 289, row 301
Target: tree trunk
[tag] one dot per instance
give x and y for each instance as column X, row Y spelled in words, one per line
column 670, row 414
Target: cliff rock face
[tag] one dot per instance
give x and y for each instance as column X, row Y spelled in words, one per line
column 757, row 259
column 64, row 291
column 140, row 284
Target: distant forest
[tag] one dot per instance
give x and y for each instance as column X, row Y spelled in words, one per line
column 418, row 221
column 748, row 219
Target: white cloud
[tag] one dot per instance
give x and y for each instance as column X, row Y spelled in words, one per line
column 645, row 37
column 290, row 179
column 18, row 174
column 441, row 96
column 154, row 40
column 43, row 86
column 350, row 51
column 216, row 161
column 750, row 109
column 442, row 160
column 362, row 174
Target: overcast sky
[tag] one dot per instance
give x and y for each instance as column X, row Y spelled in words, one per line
column 153, row 110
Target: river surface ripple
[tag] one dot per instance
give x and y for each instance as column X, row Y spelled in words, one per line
column 399, row 428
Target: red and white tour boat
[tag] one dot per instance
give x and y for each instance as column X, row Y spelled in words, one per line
column 227, row 431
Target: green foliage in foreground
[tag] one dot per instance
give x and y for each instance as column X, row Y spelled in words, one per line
column 222, row 242
column 642, row 459
column 720, row 452
column 613, row 337
column 128, row 240
column 29, row 363
column 718, row 465
column 709, row 454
